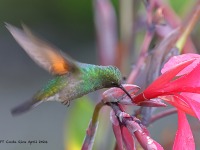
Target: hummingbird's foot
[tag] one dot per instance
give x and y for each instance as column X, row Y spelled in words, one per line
column 66, row 103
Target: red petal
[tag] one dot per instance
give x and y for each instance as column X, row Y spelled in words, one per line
column 176, row 60
column 193, row 101
column 156, row 88
column 184, row 138
column 169, row 75
column 187, row 83
column 179, row 102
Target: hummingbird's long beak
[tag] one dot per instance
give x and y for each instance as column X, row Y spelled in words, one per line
column 121, row 87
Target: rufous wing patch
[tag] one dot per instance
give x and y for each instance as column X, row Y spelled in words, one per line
column 59, row 65
column 43, row 53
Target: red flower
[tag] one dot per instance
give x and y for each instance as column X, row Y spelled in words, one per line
column 179, row 85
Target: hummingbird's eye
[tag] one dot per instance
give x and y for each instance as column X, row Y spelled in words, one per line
column 114, row 84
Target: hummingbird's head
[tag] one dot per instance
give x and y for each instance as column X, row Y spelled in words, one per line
column 114, row 78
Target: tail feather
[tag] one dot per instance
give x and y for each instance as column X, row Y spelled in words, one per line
column 24, row 107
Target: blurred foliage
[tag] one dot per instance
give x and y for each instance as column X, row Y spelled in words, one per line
column 181, row 6
column 77, row 122
column 73, row 15
column 67, row 13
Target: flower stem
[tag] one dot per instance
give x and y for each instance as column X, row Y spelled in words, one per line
column 92, row 128
column 163, row 114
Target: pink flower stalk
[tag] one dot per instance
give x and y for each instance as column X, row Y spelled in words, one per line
column 106, row 29
column 179, row 85
column 126, row 127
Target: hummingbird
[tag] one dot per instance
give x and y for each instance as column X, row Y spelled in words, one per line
column 72, row 79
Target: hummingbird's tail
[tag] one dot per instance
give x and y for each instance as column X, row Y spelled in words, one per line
column 24, row 107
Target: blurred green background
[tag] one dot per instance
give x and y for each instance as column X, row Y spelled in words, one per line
column 68, row 24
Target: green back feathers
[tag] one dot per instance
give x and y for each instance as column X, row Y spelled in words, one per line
column 53, row 86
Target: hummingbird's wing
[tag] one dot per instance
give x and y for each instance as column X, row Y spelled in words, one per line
column 44, row 54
